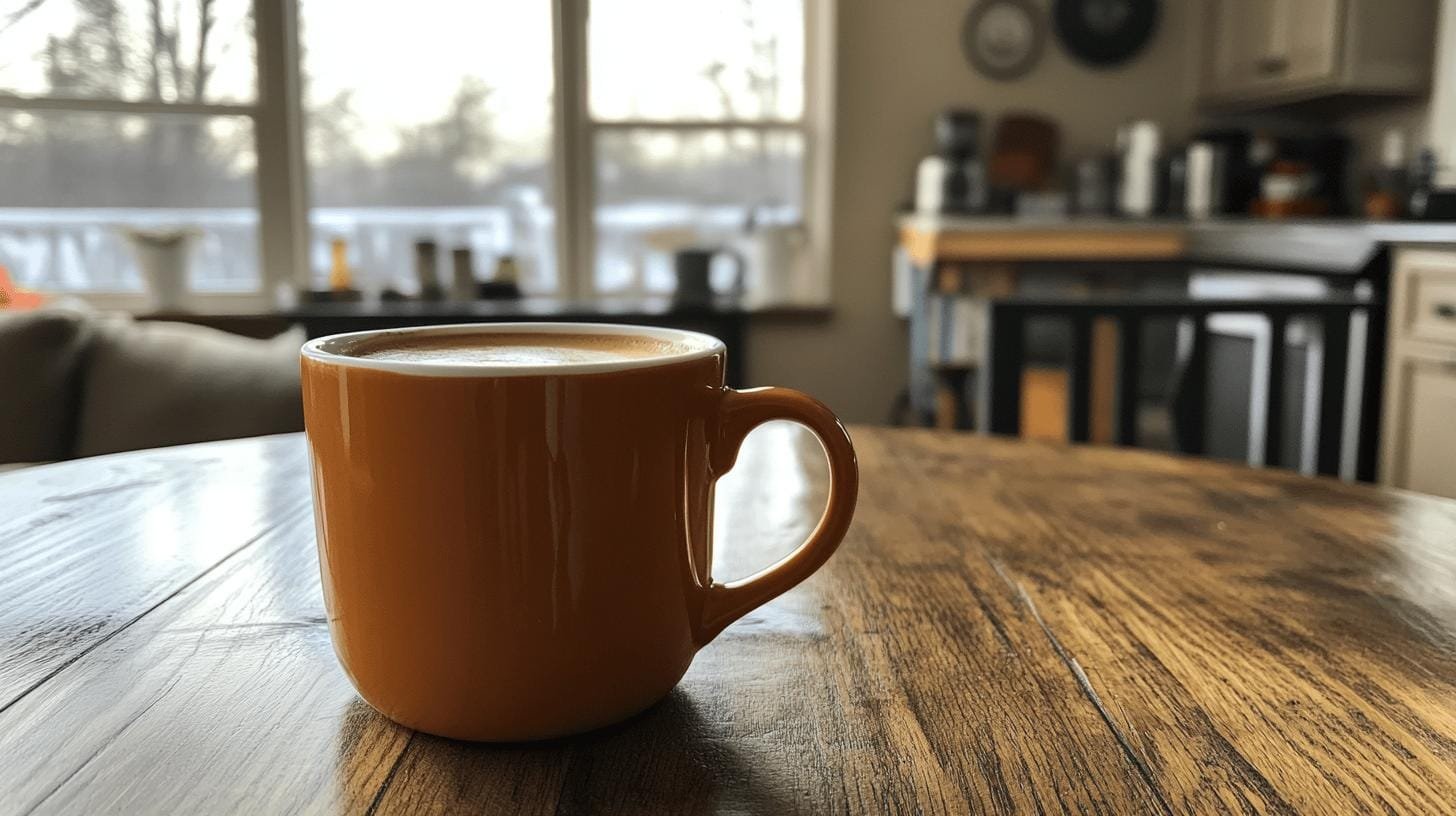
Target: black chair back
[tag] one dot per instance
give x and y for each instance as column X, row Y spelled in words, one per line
column 1000, row 386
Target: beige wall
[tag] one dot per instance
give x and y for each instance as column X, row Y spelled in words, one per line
column 898, row 63
column 1441, row 123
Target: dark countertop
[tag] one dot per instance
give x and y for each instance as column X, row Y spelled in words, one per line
column 526, row 308
column 1329, row 245
column 547, row 307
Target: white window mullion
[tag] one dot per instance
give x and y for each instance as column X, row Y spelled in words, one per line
column 572, row 152
column 282, row 165
column 820, row 23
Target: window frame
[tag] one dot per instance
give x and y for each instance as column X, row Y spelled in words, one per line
column 577, row 130
column 279, row 178
column 281, row 174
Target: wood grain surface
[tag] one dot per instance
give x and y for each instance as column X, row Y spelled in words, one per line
column 1021, row 243
column 1010, row 627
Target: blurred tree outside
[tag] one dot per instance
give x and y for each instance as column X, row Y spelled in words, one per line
column 447, row 161
column 92, row 159
column 151, row 49
column 714, row 166
column 95, row 159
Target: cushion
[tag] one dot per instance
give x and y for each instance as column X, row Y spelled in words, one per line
column 40, row 380
column 151, row 384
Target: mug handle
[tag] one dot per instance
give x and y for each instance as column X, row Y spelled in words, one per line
column 740, row 412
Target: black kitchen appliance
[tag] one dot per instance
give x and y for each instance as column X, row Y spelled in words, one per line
column 953, row 179
column 1244, row 156
column 1328, row 155
column 1238, row 182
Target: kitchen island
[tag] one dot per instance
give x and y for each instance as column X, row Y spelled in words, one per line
column 959, row 263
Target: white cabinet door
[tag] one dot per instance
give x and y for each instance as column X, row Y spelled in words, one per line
column 1427, row 308
column 1266, row 46
column 1268, row 51
column 1240, row 31
column 1304, row 44
column 1424, row 454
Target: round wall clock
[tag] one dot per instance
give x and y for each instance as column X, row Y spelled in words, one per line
column 1003, row 39
column 1104, row 33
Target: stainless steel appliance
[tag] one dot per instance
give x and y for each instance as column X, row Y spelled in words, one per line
column 1138, row 144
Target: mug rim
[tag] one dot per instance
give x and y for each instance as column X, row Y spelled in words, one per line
column 329, row 350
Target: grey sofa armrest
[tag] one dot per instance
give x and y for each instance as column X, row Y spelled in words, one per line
column 149, row 385
column 41, row 356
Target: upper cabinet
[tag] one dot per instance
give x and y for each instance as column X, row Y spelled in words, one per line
column 1267, row 52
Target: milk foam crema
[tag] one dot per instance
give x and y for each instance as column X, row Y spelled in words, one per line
column 515, row 349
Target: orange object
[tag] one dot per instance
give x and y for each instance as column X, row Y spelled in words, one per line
column 1296, row 208
column 522, row 551
column 1382, row 205
column 15, row 299
column 340, row 276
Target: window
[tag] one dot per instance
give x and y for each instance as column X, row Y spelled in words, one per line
column 120, row 121
column 696, row 124
column 262, row 134
column 446, row 138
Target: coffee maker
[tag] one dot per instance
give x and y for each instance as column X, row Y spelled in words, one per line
column 953, row 180
column 1223, row 175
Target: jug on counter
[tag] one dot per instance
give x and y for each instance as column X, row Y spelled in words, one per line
column 694, row 267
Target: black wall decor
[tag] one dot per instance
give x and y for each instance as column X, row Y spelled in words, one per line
column 1104, row 33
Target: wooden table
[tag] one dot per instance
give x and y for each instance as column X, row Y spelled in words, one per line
column 1010, row 626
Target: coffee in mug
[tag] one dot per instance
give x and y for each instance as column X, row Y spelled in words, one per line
column 514, row 519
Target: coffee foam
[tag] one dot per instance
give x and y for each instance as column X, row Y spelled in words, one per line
column 515, row 349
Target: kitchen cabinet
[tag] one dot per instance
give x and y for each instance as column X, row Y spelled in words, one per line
column 1425, row 433
column 1264, row 52
column 1418, row 438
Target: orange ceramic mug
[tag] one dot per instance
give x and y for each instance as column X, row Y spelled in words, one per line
column 518, row 547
